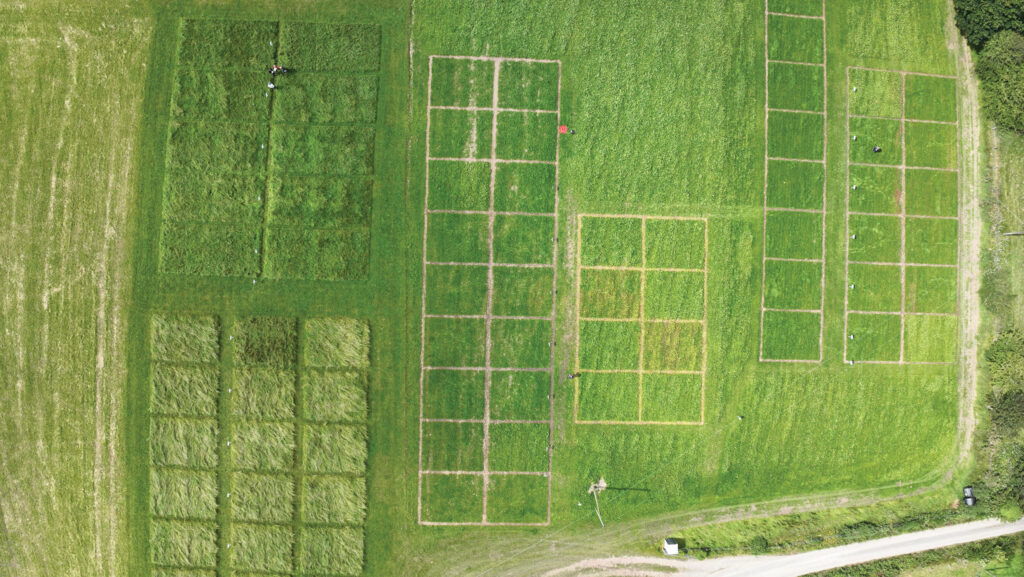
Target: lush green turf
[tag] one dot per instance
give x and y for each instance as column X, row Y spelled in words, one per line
column 453, row 498
column 793, row 235
column 673, row 346
column 518, row 447
column 875, row 337
column 460, row 185
column 792, row 285
column 791, row 335
column 454, row 342
column 796, row 39
column 457, row 290
column 611, row 241
column 530, row 85
column 674, row 295
column 458, row 82
column 931, row 98
column 796, row 135
column 527, row 135
column 460, row 134
column 521, row 292
column 519, row 395
column 325, row 99
column 804, row 7
column 879, row 189
column 609, row 293
column 453, row 447
column 882, row 133
column 931, row 289
column 795, row 184
column 932, row 193
column 607, row 345
column 517, row 343
column 796, row 87
column 524, row 187
column 932, row 240
column 609, row 397
column 523, row 239
column 878, row 93
column 517, row 499
column 875, row 288
column 671, row 243
column 931, row 145
column 877, row 238
column 930, row 339
column 672, row 398
column 453, row 394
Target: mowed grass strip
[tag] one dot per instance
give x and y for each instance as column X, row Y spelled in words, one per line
column 330, row 46
column 453, row 498
column 796, row 39
column 791, row 335
column 793, row 235
column 185, row 338
column 183, row 543
column 879, row 189
column 875, row 93
column 932, row 193
column 335, row 500
column 672, row 398
column 875, row 337
column 875, row 288
column 517, row 499
column 930, row 339
column 931, row 145
column 520, row 395
column 795, row 185
column 931, row 98
column 881, row 133
column 796, row 87
column 792, row 285
column 609, row 397
column 611, row 241
column 796, row 135
column 461, row 82
column 183, row 494
column 528, row 85
column 519, row 447
column 453, row 394
column 185, row 390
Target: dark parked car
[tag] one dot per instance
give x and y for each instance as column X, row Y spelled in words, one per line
column 969, row 499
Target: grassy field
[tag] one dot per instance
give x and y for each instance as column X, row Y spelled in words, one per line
column 179, row 234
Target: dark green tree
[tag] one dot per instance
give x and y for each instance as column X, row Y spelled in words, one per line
column 1001, row 70
column 980, row 20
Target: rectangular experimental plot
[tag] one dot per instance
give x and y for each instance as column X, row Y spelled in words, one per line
column 903, row 226
column 793, row 257
column 641, row 297
column 489, row 246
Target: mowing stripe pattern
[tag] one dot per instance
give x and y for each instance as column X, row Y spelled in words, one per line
column 902, row 218
column 793, row 241
column 489, row 246
column 642, row 283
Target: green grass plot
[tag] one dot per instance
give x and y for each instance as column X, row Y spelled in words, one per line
column 792, row 285
column 185, row 390
column 796, row 86
column 262, row 498
column 931, row 98
column 610, row 293
column 460, row 134
column 930, row 339
column 203, row 148
column 879, row 189
column 320, row 201
column 795, row 184
column 453, row 446
column 453, row 394
column 522, row 291
column 802, row 7
column 453, row 498
column 183, row 494
column 222, row 198
column 932, row 193
column 871, row 133
column 674, row 295
column 796, row 39
column 458, row 185
column 270, row 341
column 609, row 345
column 335, row 396
column 931, row 145
column 875, row 337
column 519, row 447
column 529, row 85
column 672, row 398
column 878, row 238
column 322, row 149
column 525, row 187
column 333, row 342
column 329, row 46
column 183, row 442
column 183, row 543
column 456, row 290
column 301, row 253
column 454, row 342
column 329, row 549
column 791, row 335
column 608, row 396
column 673, row 346
column 521, row 239
column 335, row 449
column 265, row 447
column 226, row 43
column 610, row 241
column 875, row 93
column 874, row 288
column 793, row 235
column 932, row 240
column 234, row 95
column 336, row 500
column 931, row 289
column 527, row 135
column 796, row 135
column 209, row 250
column 326, row 99
column 675, row 243
column 264, row 393
column 457, row 238
column 461, row 82
column 520, row 343
column 517, row 499
column 262, row 547
column 520, row 395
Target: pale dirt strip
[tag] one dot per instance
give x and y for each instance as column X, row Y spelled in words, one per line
column 857, row 213
column 787, row 15
column 493, row 264
column 492, row 109
column 901, row 165
column 951, row 123
column 486, row 212
column 492, row 160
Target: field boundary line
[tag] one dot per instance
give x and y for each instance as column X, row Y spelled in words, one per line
column 784, row 259
column 795, row 111
column 903, row 166
column 796, row 159
column 493, row 160
column 785, row 209
column 788, row 15
column 495, row 317
column 770, row 61
column 496, row 212
column 496, row 264
column 641, row 320
column 906, row 119
column 492, row 109
column 495, row 369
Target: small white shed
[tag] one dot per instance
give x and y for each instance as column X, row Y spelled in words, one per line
column 670, row 546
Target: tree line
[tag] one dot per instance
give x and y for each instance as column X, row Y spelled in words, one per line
column 995, row 29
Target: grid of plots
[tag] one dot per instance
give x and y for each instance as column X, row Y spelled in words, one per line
column 793, row 257
column 258, row 445
column 902, row 217
column 641, row 297
column 273, row 183
column 489, row 245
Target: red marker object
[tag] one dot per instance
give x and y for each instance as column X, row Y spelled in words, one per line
column 563, row 129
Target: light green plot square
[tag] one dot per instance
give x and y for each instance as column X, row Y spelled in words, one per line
column 791, row 336
column 337, row 343
column 879, row 189
column 874, row 288
column 456, row 290
column 517, row 343
column 264, row 393
column 334, row 396
column 188, row 443
column 460, row 134
column 453, row 394
column 874, row 238
column 932, row 192
column 519, row 447
column 796, row 86
column 185, row 390
column 453, row 446
column 520, row 395
column 453, row 498
column 454, row 342
column 517, row 499
column 337, row 449
column 876, row 337
column 608, row 397
column 458, row 185
column 931, row 98
column 183, row 543
column 262, row 547
column 793, row 235
column 872, row 133
column 529, row 85
column 457, row 238
column 527, row 136
column 522, row 291
column 802, row 7
column 674, row 295
column 875, row 93
column 329, row 46
column 796, row 135
column 611, row 241
column 794, row 184
column 674, row 346
column 610, row 293
column 461, row 82
column 525, row 187
column 675, row 243
column 930, row 339
column 521, row 239
column 796, row 39
column 792, row 285
column 607, row 345
column 183, row 494
column 931, row 289
column 262, row 498
column 672, row 398
column 334, row 499
column 327, row 550
column 931, row 145
column 932, row 240
column 264, row 447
